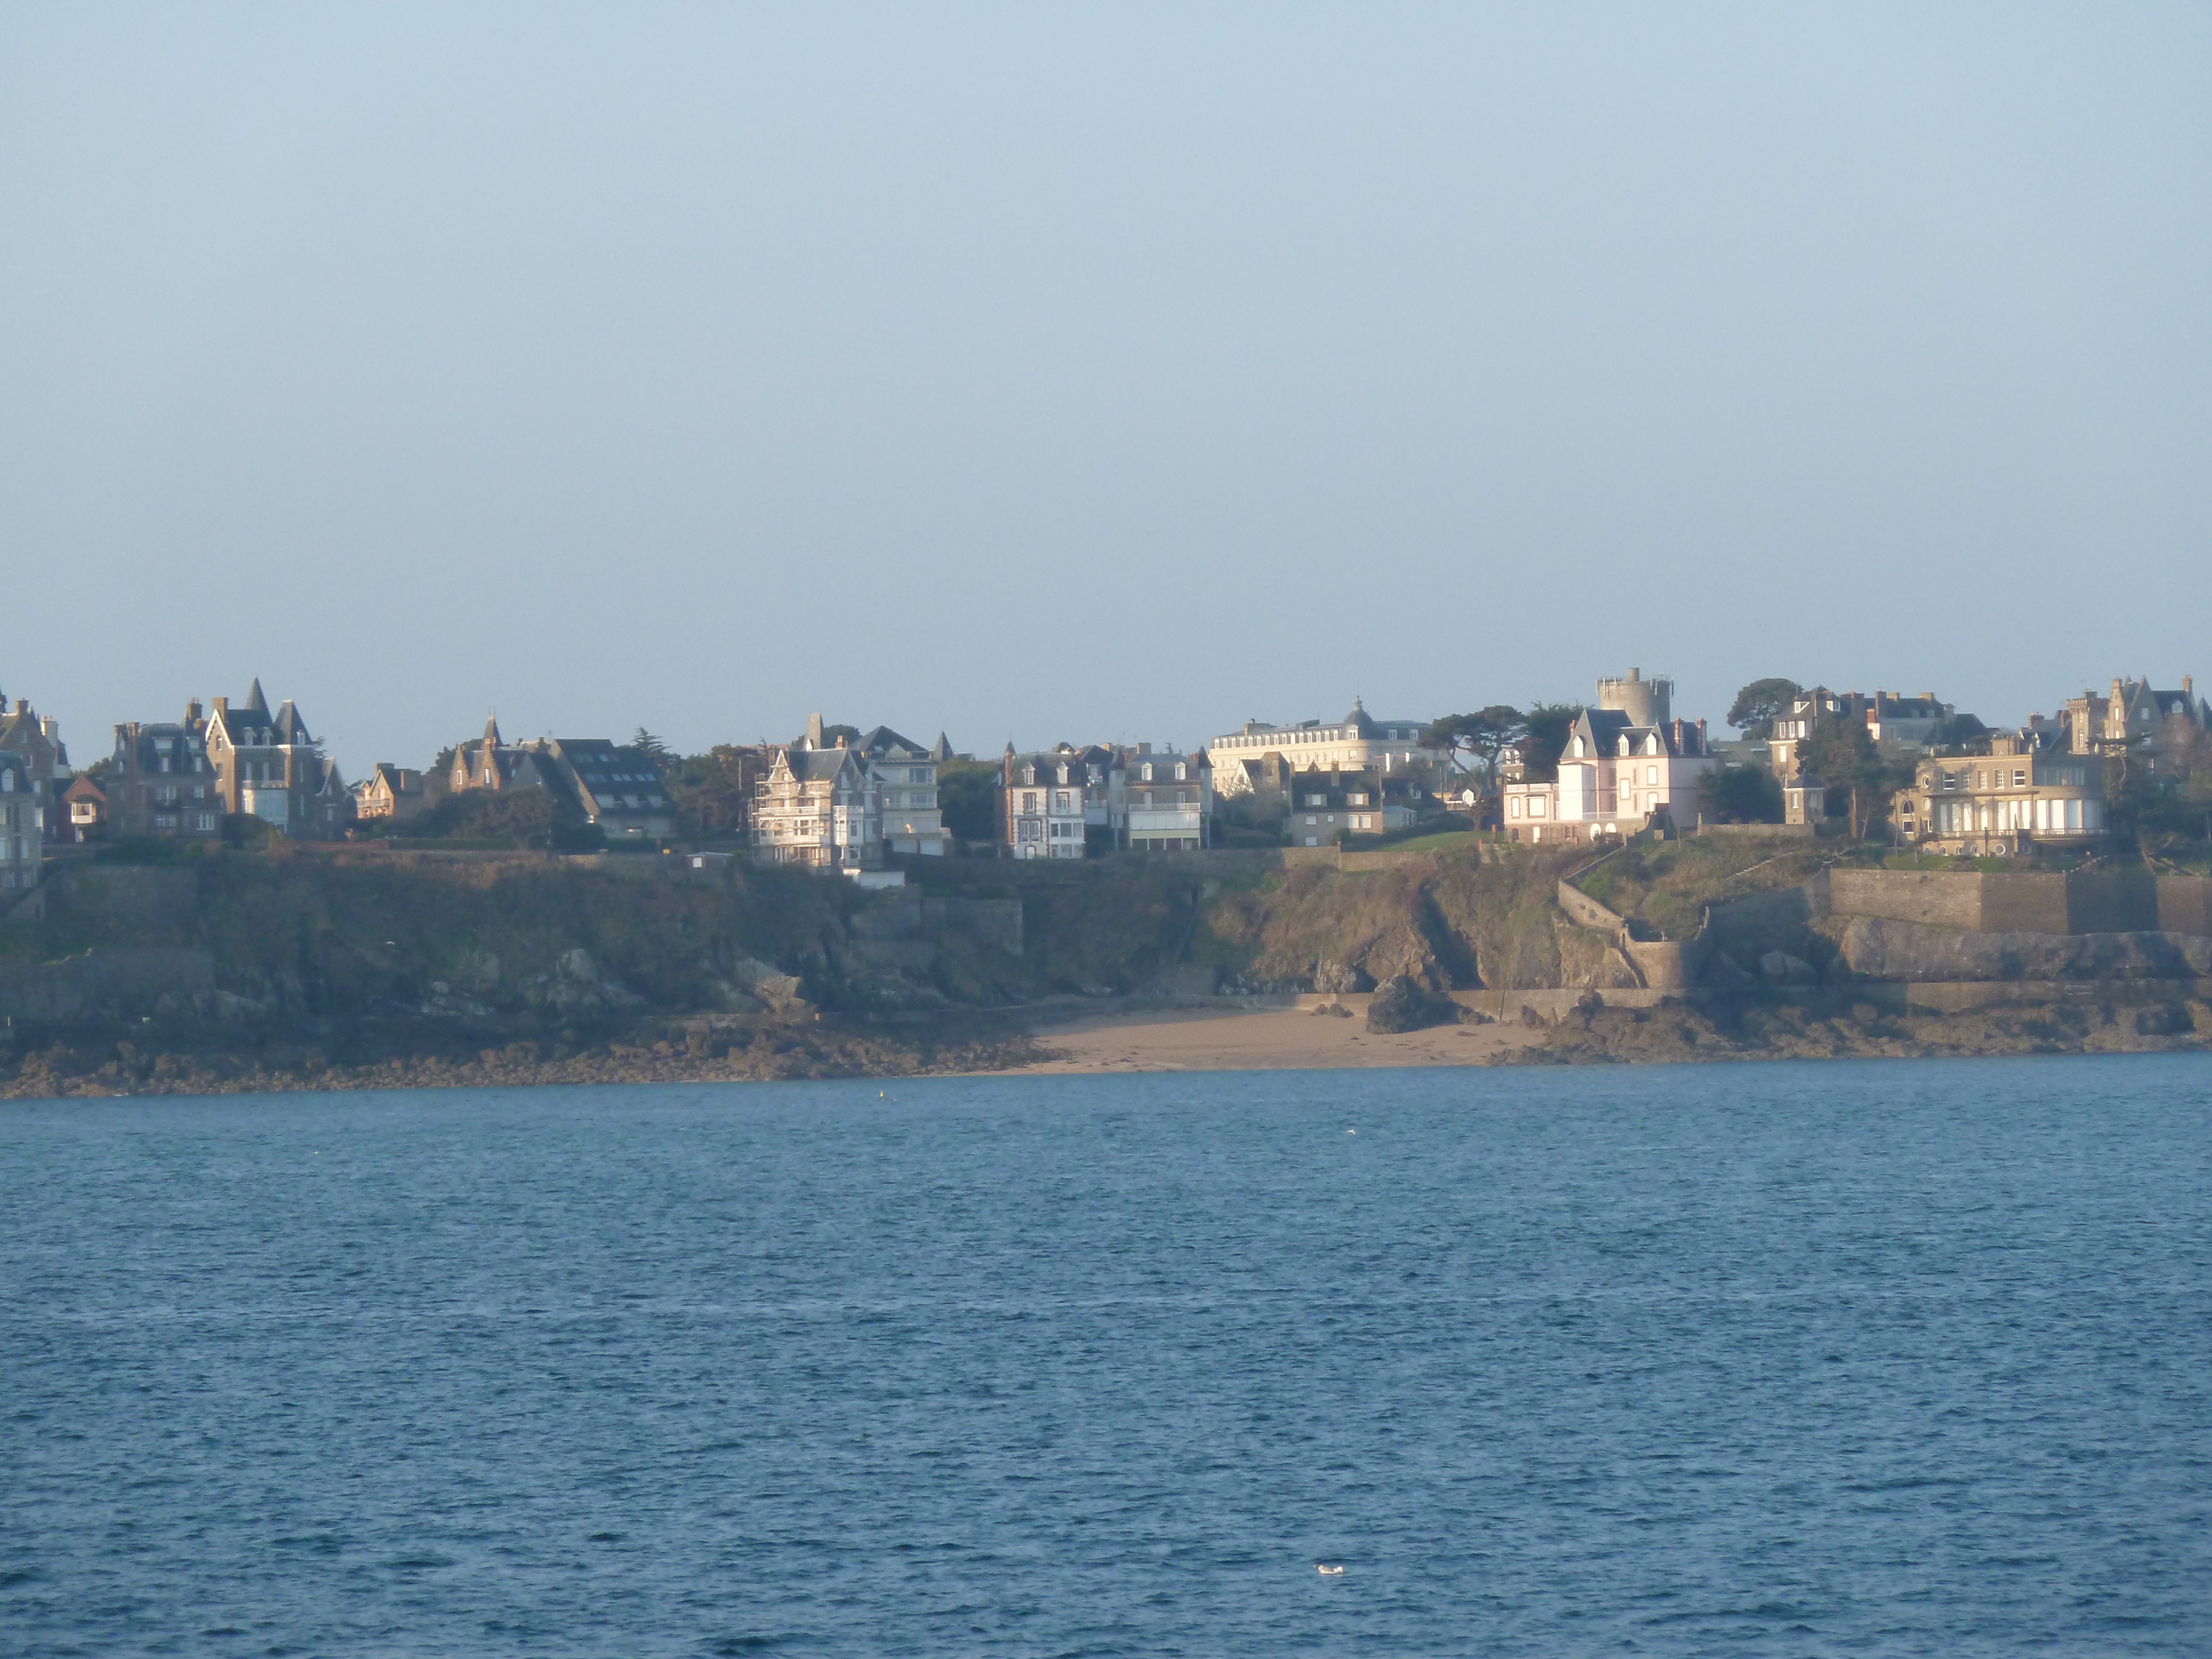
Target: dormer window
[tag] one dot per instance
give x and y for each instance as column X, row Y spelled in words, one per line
column 1651, row 744
column 1147, row 773
column 1575, row 749
column 1179, row 773
column 1623, row 748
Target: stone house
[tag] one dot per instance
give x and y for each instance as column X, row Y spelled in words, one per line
column 2134, row 719
column 1889, row 718
column 271, row 767
column 38, row 740
column 617, row 788
column 22, row 826
column 392, row 794
column 1366, row 802
column 2032, row 788
column 161, row 781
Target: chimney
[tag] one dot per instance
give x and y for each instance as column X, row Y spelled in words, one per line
column 814, row 730
column 23, row 705
column 1634, row 675
column 222, row 705
column 1144, row 748
column 2185, row 689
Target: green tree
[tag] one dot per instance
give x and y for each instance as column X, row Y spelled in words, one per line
column 713, row 792
column 1544, row 733
column 1484, row 735
column 1842, row 756
column 1757, row 705
column 968, row 796
column 1742, row 794
column 651, row 747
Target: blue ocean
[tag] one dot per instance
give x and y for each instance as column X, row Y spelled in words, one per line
column 1864, row 1359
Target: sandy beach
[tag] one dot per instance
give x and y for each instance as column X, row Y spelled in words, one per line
column 1219, row 1040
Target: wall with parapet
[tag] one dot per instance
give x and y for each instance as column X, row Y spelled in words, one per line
column 2028, row 901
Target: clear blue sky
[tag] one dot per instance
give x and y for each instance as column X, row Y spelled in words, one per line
column 1110, row 371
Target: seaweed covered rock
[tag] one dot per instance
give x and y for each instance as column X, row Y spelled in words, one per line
column 1404, row 1004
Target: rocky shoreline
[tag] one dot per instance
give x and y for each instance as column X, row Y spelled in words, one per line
column 1685, row 1033
column 88, row 1069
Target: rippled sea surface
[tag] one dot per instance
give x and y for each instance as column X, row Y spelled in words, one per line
column 1839, row 1359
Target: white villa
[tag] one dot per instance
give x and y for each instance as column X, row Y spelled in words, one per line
column 1626, row 762
column 843, row 808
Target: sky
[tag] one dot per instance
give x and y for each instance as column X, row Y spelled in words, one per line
column 1092, row 373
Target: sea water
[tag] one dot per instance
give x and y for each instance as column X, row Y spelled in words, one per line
column 1880, row 1357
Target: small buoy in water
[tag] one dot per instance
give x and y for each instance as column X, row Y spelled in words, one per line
column 1328, row 1571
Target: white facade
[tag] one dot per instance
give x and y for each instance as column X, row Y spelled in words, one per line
column 1050, row 800
column 905, row 777
column 1357, row 742
column 816, row 808
column 1619, row 772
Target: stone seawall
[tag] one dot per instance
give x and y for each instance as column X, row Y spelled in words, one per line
column 2080, row 902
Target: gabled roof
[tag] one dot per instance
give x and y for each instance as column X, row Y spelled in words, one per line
column 881, row 741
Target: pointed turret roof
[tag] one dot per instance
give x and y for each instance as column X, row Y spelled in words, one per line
column 254, row 700
column 942, row 751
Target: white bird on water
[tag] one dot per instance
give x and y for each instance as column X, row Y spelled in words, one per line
column 1327, row 1570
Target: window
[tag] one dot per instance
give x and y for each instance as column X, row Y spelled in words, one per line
column 1179, row 771
column 1147, row 772
column 1513, row 807
column 2019, row 779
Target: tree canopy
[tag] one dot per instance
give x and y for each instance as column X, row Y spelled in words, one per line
column 968, row 796
column 1544, row 731
column 1482, row 735
column 713, row 792
column 1756, row 706
column 1741, row 794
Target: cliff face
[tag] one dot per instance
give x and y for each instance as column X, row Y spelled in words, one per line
column 236, row 938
